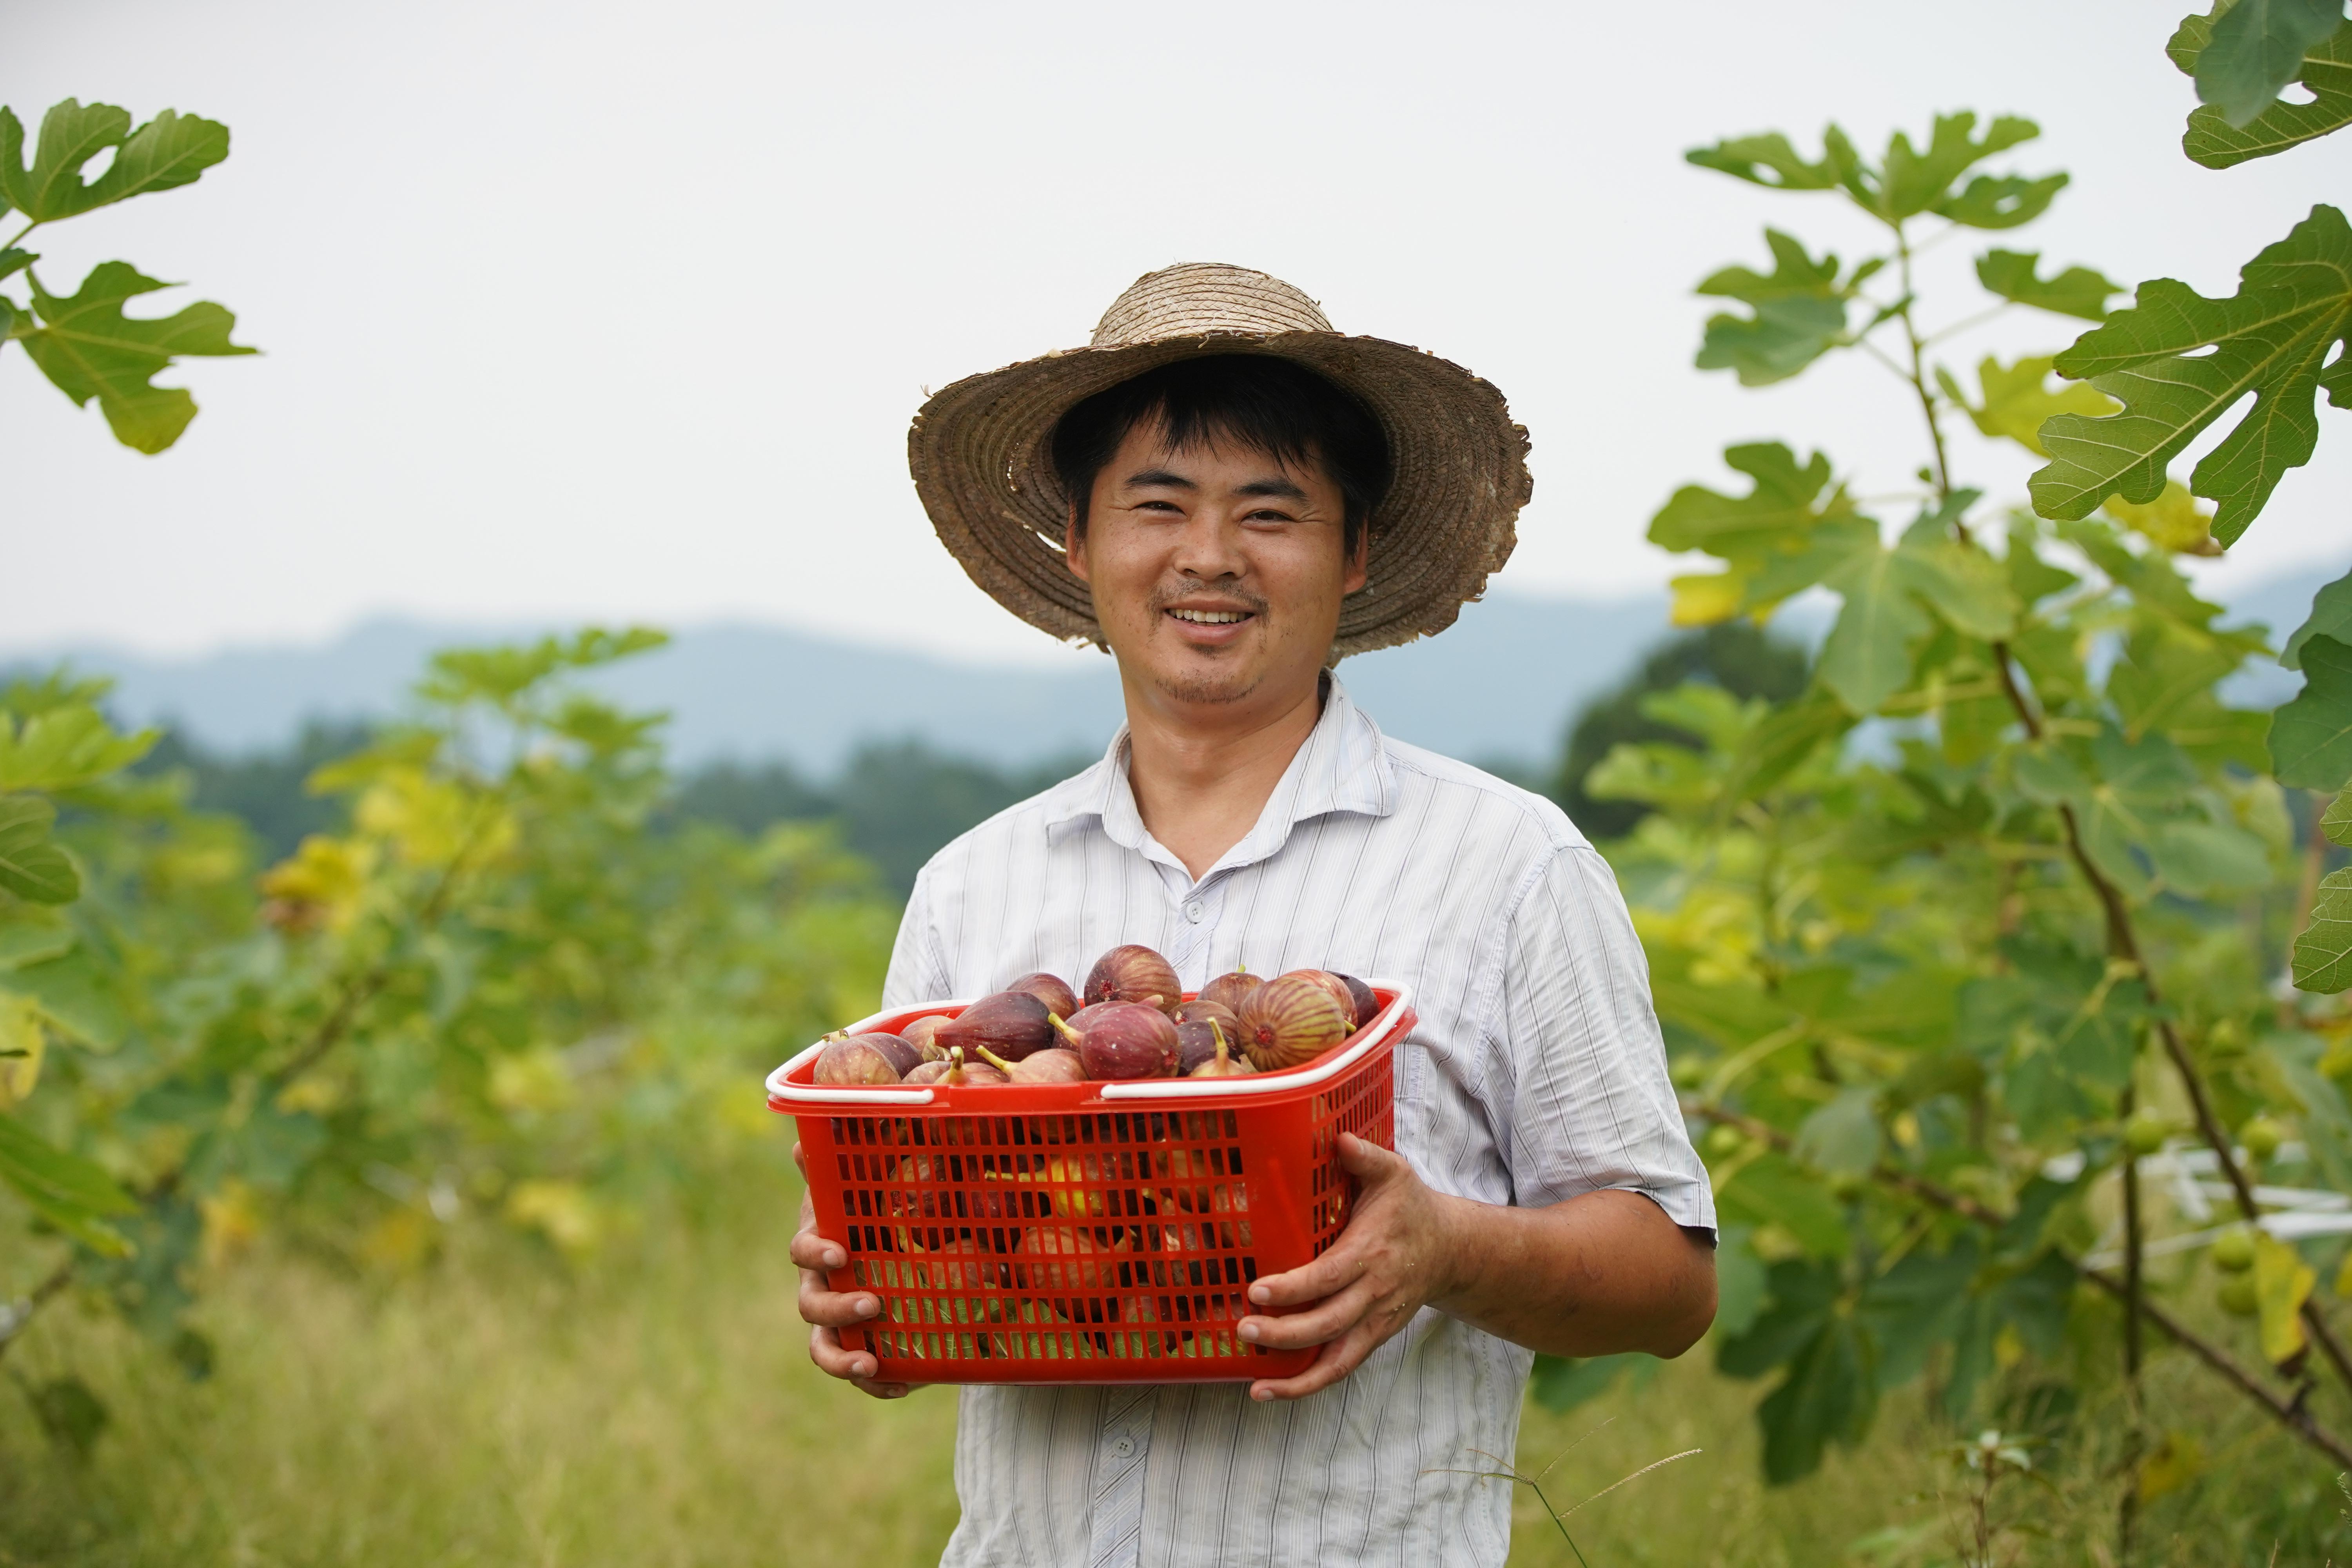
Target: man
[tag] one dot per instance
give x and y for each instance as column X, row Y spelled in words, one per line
column 1239, row 494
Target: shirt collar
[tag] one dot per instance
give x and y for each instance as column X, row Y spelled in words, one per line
column 1343, row 767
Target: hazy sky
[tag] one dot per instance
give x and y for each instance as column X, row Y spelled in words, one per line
column 622, row 310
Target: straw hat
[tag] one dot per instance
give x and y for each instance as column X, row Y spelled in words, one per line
column 979, row 452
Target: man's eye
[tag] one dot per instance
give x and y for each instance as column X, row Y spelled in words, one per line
column 1269, row 515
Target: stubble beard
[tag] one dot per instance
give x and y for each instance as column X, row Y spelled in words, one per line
column 1214, row 685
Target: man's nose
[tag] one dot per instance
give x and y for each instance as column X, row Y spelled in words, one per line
column 1210, row 546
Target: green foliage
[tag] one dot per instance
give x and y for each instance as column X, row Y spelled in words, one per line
column 83, row 341
column 1739, row 657
column 2178, row 362
column 490, row 991
column 1891, row 967
column 2242, row 56
column 2326, row 71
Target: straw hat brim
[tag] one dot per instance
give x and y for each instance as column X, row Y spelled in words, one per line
column 980, row 453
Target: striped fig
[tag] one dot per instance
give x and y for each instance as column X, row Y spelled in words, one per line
column 1292, row 1018
column 864, row 1059
column 1231, row 990
column 1134, row 974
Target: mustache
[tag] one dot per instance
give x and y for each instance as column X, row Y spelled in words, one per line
column 1166, row 597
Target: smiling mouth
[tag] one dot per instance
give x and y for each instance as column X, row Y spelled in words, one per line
column 1211, row 617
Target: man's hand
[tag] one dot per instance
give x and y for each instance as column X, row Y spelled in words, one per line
column 1392, row 1260
column 828, row 1312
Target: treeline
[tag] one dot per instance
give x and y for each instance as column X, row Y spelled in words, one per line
column 896, row 802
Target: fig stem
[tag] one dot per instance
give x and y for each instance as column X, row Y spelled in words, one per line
column 1067, row 1032
column 993, row 1059
column 954, row 1075
column 1218, row 1030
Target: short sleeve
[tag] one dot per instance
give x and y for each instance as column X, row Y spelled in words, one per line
column 1592, row 1107
column 915, row 973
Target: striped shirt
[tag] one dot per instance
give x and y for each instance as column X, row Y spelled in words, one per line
column 1536, row 1073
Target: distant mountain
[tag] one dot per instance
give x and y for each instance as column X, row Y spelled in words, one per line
column 1500, row 686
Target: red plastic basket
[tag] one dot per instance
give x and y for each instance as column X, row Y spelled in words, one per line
column 1084, row 1232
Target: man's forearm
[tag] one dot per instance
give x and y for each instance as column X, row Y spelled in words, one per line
column 1598, row 1274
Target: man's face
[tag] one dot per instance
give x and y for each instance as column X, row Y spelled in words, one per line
column 1218, row 572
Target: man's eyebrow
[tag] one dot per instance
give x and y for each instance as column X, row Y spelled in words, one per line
column 1161, row 477
column 1275, row 486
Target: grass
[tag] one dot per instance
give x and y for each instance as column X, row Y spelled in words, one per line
column 658, row 1407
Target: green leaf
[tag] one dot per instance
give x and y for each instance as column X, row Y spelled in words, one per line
column 2331, row 616
column 13, row 261
column 65, row 747
column 1842, row 1138
column 72, row 135
column 1770, row 1190
column 2311, row 737
column 1560, row 1384
column 1741, row 1281
column 65, row 1189
column 2283, row 1282
column 2016, row 399
column 31, row 866
column 2210, row 859
column 2272, row 337
column 1801, row 1295
column 1771, row 162
column 1800, row 315
column 2256, row 47
column 2322, row 954
column 77, row 998
column 2077, row 291
column 2335, row 821
column 90, row 349
column 1827, row 1397
column 24, row 940
column 1867, row 657
column 2326, row 70
column 1914, row 181
column 1916, row 1306
column 170, row 150
column 1784, row 499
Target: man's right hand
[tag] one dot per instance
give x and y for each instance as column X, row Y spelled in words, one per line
column 827, row 1311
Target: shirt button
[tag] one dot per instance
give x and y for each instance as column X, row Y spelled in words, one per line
column 1193, row 912
column 1123, row 1448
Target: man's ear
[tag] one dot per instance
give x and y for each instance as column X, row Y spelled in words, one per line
column 1359, row 563
column 1074, row 546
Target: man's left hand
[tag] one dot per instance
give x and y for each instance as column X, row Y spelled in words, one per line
column 1395, row 1257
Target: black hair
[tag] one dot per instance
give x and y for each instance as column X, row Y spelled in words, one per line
column 1278, row 406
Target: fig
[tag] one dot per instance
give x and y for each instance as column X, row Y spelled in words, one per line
column 1340, row 993
column 1063, row 1258
column 2233, row 1249
column 1066, row 1178
column 1011, row 1023
column 1134, row 974
column 1199, row 1010
column 1195, row 1044
column 954, row 1072
column 1221, row 1062
column 921, row 1034
column 1056, row 1065
column 1051, row 989
column 1291, row 1018
column 1368, row 1006
column 862, row 1060
column 1123, row 1040
column 1231, row 990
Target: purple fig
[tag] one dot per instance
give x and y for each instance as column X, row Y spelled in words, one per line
column 1199, row 1010
column 1220, row 1062
column 1011, row 1023
column 1056, row 1065
column 1233, row 989
column 1125, row 1039
column 1050, row 989
column 1368, row 1006
column 955, row 1073
column 1134, row 974
column 863, row 1059
column 1291, row 1018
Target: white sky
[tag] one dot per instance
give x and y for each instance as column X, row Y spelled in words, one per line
column 621, row 310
